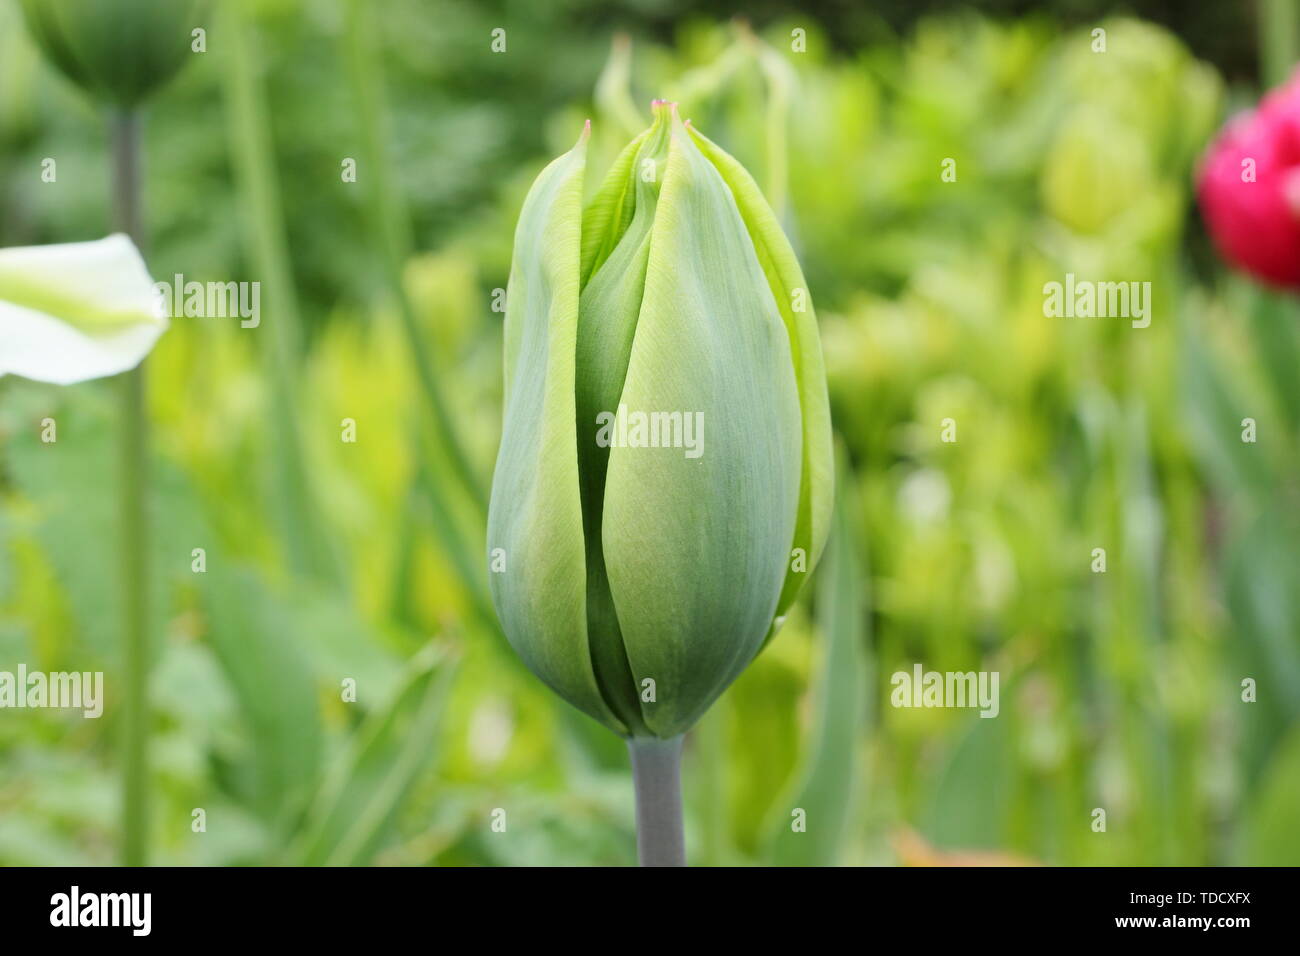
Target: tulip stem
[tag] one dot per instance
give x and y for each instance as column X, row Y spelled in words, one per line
column 1279, row 34
column 391, row 229
column 134, row 533
column 294, row 501
column 657, row 777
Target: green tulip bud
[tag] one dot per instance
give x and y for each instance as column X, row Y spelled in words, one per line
column 664, row 481
column 119, row 51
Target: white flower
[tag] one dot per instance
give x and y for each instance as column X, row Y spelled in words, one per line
column 76, row 311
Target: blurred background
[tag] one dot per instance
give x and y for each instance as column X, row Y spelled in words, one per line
column 328, row 561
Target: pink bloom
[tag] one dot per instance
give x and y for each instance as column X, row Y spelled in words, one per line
column 1249, row 188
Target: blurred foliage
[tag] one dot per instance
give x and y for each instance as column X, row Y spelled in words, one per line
column 1119, row 690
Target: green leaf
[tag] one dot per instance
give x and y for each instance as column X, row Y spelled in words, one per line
column 613, row 93
column 829, row 780
column 971, row 805
column 1273, row 820
column 78, row 523
column 1215, row 424
column 355, row 808
column 1273, row 322
column 256, row 641
column 1262, row 590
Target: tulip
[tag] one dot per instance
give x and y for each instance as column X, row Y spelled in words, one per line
column 1249, row 189
column 664, row 481
column 118, row 51
column 76, row 311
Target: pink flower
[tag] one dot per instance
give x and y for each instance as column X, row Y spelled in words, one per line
column 1249, row 189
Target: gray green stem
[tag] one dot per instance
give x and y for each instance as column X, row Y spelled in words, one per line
column 307, row 548
column 1279, row 39
column 657, row 777
column 134, row 532
column 391, row 226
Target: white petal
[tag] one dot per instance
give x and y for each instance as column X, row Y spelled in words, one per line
column 37, row 346
column 76, row 311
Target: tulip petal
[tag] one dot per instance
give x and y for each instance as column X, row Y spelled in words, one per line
column 535, row 513
column 76, row 311
column 607, row 321
column 781, row 267
column 610, row 212
column 696, row 548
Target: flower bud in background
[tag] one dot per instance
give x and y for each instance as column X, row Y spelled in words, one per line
column 118, row 51
column 664, row 482
column 76, row 311
column 1249, row 189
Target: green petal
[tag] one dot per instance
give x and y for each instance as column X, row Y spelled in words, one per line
column 607, row 217
column 535, row 514
column 696, row 548
column 817, row 481
column 607, row 322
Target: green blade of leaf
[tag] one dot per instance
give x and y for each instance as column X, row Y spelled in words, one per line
column 253, row 636
column 357, row 804
column 829, row 781
column 1273, row 819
